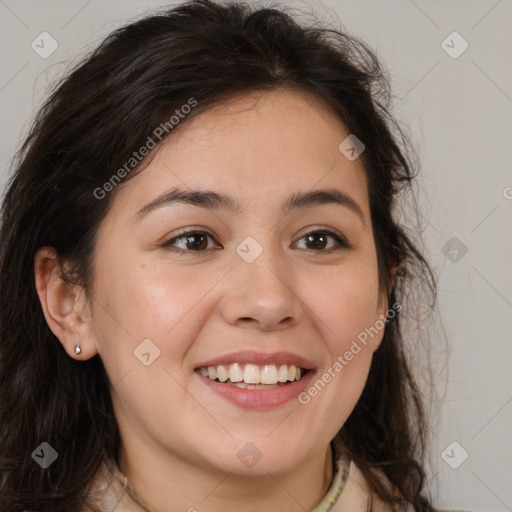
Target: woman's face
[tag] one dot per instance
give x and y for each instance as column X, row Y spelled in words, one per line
column 255, row 289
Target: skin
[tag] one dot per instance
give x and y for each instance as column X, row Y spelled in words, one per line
column 180, row 440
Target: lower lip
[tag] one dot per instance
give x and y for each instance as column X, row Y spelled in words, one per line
column 259, row 399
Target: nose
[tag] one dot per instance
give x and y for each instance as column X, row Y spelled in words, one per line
column 261, row 294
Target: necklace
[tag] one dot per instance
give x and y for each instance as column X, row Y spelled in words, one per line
column 340, row 472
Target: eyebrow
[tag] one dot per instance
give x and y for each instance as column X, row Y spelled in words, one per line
column 217, row 201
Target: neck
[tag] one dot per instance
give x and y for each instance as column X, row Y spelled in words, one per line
column 174, row 484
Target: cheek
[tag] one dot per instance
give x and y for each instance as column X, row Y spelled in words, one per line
column 346, row 304
column 148, row 309
column 346, row 311
column 142, row 301
column 350, row 338
column 353, row 318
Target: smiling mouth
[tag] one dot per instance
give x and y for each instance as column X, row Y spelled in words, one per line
column 252, row 376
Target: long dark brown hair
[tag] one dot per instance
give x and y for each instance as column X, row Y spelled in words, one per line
column 93, row 121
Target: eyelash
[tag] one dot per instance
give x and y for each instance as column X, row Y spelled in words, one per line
column 342, row 243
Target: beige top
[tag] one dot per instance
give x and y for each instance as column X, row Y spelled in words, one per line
column 111, row 493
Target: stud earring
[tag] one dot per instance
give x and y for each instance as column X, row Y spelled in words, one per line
column 77, row 346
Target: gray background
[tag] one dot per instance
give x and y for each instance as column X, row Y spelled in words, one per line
column 459, row 114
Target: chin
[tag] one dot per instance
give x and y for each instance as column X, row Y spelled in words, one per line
column 256, row 458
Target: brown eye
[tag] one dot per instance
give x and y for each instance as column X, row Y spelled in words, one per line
column 317, row 241
column 197, row 241
column 191, row 241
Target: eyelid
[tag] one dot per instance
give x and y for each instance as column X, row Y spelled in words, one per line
column 193, row 230
column 189, row 230
column 321, row 229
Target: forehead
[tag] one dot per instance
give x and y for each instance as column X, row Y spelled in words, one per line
column 255, row 147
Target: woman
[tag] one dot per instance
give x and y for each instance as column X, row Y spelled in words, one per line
column 202, row 278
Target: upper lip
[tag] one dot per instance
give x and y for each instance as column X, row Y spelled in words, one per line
column 259, row 358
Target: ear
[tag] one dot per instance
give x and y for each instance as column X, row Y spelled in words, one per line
column 64, row 306
column 383, row 308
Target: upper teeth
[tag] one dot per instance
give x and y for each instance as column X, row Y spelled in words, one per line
column 251, row 373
